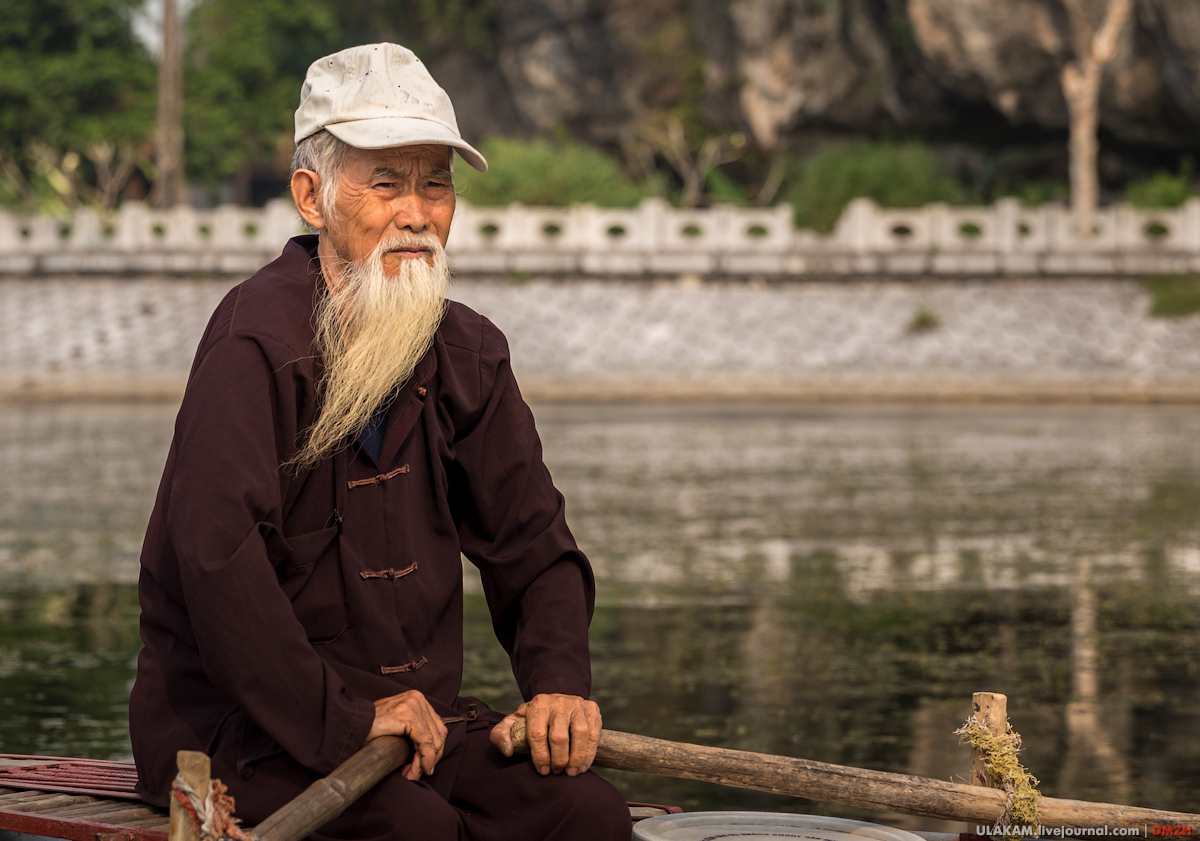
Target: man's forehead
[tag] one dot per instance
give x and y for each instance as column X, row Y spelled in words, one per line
column 401, row 158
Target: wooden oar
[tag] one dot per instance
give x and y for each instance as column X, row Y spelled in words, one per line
column 325, row 799
column 850, row 786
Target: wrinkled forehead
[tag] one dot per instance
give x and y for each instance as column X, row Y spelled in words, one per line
column 362, row 164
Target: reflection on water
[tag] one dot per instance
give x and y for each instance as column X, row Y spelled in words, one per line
column 67, row 661
column 824, row 583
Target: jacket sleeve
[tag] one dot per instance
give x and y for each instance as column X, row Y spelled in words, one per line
column 223, row 515
column 539, row 586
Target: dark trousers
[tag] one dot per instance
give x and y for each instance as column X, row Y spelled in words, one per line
column 476, row 794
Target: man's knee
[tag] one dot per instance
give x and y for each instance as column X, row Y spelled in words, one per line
column 593, row 809
column 396, row 810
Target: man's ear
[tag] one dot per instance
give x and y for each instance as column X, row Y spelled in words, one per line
column 306, row 189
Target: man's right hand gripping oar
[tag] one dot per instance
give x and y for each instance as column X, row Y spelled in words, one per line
column 409, row 714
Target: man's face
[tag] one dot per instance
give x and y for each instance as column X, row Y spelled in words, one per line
column 384, row 192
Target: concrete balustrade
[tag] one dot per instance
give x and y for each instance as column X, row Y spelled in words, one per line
column 652, row 239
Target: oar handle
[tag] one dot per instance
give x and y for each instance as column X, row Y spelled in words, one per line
column 327, row 798
column 518, row 736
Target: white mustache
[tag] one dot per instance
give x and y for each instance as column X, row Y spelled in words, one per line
column 408, row 239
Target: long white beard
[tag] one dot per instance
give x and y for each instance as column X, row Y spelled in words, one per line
column 372, row 331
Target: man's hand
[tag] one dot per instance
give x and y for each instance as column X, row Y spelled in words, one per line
column 563, row 731
column 409, row 714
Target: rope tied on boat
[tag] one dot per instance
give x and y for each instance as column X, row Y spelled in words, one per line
column 212, row 815
column 1005, row 771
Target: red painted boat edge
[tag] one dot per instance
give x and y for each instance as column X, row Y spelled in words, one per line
column 32, row 823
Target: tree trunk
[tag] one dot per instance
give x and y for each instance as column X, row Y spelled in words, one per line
column 170, row 186
column 1081, row 88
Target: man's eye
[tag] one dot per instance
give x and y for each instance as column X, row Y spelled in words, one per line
column 385, row 185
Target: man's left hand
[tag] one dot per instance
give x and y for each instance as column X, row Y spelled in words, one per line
column 563, row 731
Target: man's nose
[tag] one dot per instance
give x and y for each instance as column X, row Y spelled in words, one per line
column 411, row 212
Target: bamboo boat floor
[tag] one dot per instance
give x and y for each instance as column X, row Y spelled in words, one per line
column 80, row 817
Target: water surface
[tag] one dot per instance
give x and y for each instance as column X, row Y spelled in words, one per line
column 827, row 583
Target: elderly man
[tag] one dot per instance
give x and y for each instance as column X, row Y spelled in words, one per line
column 345, row 437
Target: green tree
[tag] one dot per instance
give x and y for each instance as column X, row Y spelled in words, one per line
column 247, row 60
column 540, row 173
column 74, row 82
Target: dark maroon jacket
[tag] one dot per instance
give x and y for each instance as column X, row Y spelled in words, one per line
column 277, row 608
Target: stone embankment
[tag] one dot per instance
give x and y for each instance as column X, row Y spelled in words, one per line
column 998, row 339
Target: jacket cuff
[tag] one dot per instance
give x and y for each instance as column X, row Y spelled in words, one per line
column 561, row 686
column 357, row 726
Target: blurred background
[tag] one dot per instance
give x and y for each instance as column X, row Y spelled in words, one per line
column 863, row 337
column 702, row 102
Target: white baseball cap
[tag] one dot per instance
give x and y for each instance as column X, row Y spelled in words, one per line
column 378, row 96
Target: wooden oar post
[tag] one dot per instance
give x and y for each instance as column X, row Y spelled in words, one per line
column 196, row 770
column 991, row 711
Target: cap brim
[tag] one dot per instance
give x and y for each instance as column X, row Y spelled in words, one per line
column 390, row 132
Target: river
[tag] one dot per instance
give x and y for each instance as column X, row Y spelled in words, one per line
column 824, row 582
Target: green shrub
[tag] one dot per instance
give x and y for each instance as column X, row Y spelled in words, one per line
column 540, row 173
column 724, row 190
column 893, row 174
column 1173, row 295
column 1037, row 193
column 1163, row 189
column 924, row 320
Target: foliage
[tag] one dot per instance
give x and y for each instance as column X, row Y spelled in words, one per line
column 893, row 174
column 242, row 77
column 1005, row 770
column 924, row 320
column 540, row 173
column 1163, row 189
column 247, row 60
column 724, row 190
column 1173, row 295
column 72, row 73
column 1037, row 193
column 692, row 153
column 1036, row 174
column 467, row 24
column 74, row 82
column 675, row 131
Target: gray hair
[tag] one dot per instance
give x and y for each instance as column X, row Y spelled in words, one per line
column 323, row 154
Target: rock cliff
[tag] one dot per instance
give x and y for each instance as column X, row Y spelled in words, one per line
column 775, row 69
